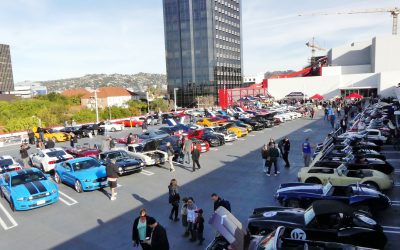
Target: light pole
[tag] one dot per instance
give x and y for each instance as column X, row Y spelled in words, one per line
column 175, row 89
column 96, row 106
column 148, row 103
column 109, row 111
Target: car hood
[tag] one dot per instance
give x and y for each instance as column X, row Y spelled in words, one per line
column 91, row 173
column 151, row 145
column 278, row 214
column 33, row 188
column 127, row 162
column 314, row 188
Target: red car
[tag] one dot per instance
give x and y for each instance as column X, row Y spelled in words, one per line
column 131, row 123
column 201, row 145
column 82, row 151
column 124, row 140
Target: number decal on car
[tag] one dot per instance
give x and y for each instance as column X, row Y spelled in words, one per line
column 298, row 234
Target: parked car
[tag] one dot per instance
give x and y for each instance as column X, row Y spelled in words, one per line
column 239, row 132
column 83, row 174
column 357, row 195
column 373, row 135
column 201, row 145
column 256, row 125
column 132, row 122
column 52, row 134
column 126, row 163
column 46, row 159
column 212, row 138
column 208, row 122
column 78, row 132
column 229, row 136
column 8, row 164
column 93, row 129
column 152, row 135
column 83, row 151
column 111, row 127
column 329, row 220
column 27, row 189
column 148, row 152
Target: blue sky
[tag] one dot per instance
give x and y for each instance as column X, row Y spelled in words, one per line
column 53, row 39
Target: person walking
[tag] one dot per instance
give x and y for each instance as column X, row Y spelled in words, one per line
column 49, row 143
column 343, row 124
column 285, row 151
column 191, row 218
column 174, row 199
column 332, row 120
column 141, row 230
column 306, row 149
column 31, row 137
column 144, row 125
column 273, row 155
column 24, row 154
column 264, row 155
column 184, row 216
column 159, row 238
column 170, row 152
column 105, row 145
column 112, row 142
column 187, row 149
column 112, row 176
column 41, row 133
column 199, row 225
column 312, row 112
column 219, row 202
column 129, row 139
column 195, row 158
column 73, row 139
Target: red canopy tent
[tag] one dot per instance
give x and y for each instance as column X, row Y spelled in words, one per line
column 317, row 96
column 354, row 96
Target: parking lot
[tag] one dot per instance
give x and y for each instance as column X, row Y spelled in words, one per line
column 91, row 221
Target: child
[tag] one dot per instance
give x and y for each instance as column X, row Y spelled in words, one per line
column 199, row 225
column 184, row 216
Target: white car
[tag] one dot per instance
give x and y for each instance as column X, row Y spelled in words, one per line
column 46, row 159
column 112, row 127
column 8, row 164
column 228, row 135
column 148, row 153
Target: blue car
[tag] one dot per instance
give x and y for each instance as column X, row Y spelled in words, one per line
column 84, row 174
column 356, row 195
column 27, row 189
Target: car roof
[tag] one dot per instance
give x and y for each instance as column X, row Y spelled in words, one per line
column 75, row 160
column 331, row 207
column 52, row 150
column 6, row 157
column 23, row 171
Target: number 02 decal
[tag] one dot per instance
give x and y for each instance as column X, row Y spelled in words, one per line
column 298, row 234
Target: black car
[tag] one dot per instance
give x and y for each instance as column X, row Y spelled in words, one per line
column 125, row 162
column 366, row 153
column 92, row 128
column 324, row 221
column 268, row 123
column 357, row 144
column 253, row 123
column 171, row 130
column 78, row 132
column 213, row 139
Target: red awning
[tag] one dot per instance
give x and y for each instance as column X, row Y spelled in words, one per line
column 317, row 96
column 354, row 96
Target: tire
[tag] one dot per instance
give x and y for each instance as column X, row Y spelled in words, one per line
column 78, row 186
column 57, row 178
column 372, row 185
column 42, row 168
column 113, row 130
column 292, row 203
column 314, row 180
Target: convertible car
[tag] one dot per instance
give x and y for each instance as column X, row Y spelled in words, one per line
column 84, row 174
column 356, row 195
column 366, row 153
column 341, row 176
column 324, row 221
column 27, row 189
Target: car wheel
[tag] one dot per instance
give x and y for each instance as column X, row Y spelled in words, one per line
column 372, row 185
column 113, row 129
column 31, row 162
column 292, row 203
column 12, row 206
column 313, row 180
column 78, row 186
column 57, row 178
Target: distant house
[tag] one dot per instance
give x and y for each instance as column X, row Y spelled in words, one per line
column 75, row 92
column 107, row 97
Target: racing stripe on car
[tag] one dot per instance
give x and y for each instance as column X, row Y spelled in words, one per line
column 39, row 186
column 31, row 188
column 28, row 171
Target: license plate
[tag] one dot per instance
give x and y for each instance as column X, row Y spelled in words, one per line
column 103, row 183
column 41, row 202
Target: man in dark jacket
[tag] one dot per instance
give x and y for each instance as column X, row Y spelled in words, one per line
column 195, row 158
column 273, row 154
column 112, row 176
column 218, row 202
column 343, row 124
column 159, row 239
column 49, row 143
column 285, row 151
column 24, row 154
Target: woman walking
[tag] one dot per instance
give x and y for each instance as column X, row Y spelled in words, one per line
column 191, row 218
column 174, row 199
column 141, row 230
column 170, row 152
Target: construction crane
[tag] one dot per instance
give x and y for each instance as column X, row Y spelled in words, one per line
column 395, row 11
column 314, row 47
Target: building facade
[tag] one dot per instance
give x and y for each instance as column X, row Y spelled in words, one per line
column 203, row 47
column 6, row 73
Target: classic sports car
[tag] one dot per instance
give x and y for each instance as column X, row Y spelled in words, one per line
column 152, row 135
column 83, row 151
column 46, row 159
column 323, row 221
column 92, row 128
column 110, row 127
column 148, row 152
column 367, row 153
column 240, row 132
column 133, row 122
column 357, row 144
column 241, row 124
column 8, row 164
column 341, row 176
column 212, row 138
column 83, row 174
column 78, row 132
column 208, row 122
column 228, row 135
column 356, row 195
column 201, row 145
column 373, row 135
column 125, row 162
column 256, row 125
column 52, row 134
column 27, row 189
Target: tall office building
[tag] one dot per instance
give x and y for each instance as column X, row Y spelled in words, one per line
column 6, row 74
column 203, row 47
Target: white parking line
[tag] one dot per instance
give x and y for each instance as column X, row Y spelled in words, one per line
column 229, row 144
column 145, row 172
column 395, row 203
column 241, row 139
column 307, row 130
column 71, row 201
column 251, row 135
column 10, row 218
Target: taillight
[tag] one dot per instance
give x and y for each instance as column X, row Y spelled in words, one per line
column 52, row 162
column 18, row 168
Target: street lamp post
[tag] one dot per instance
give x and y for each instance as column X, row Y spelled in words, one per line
column 148, row 103
column 96, row 106
column 175, row 89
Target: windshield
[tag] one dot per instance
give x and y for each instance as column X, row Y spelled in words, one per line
column 26, row 178
column 6, row 162
column 55, row 153
column 309, row 215
column 326, row 188
column 86, row 164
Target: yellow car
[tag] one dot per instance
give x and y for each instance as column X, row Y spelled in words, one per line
column 52, row 134
column 208, row 122
column 239, row 131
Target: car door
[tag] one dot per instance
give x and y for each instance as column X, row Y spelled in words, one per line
column 37, row 159
column 6, row 187
column 67, row 173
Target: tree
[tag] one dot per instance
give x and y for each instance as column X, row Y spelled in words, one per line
column 137, row 107
column 159, row 104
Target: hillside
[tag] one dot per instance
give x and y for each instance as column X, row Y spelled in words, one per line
column 137, row 82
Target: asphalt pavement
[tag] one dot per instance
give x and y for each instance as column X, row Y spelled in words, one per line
column 91, row 221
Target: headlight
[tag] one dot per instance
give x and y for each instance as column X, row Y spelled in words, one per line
column 119, row 169
column 141, row 164
column 21, row 199
column 30, row 198
column 48, row 193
